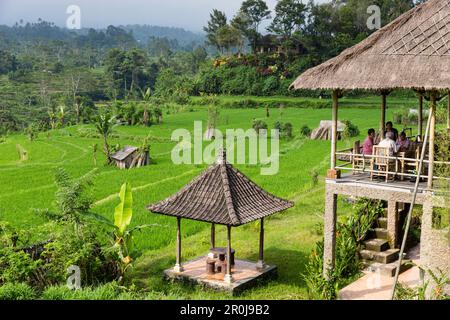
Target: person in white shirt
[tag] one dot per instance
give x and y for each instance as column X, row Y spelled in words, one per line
column 389, row 142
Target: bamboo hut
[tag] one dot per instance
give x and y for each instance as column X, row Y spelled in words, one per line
column 129, row 157
column 324, row 131
column 221, row 195
column 413, row 53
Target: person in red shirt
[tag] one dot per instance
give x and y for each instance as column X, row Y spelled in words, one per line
column 368, row 144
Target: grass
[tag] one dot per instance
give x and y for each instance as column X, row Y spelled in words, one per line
column 290, row 236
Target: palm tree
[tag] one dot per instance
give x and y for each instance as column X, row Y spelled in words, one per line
column 146, row 97
column 105, row 124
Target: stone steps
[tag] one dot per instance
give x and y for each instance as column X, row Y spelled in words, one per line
column 378, row 245
column 382, row 222
column 385, row 257
column 388, row 269
column 380, row 233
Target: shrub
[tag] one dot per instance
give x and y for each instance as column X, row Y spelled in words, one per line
column 17, row 291
column 351, row 130
column 259, row 125
column 305, row 131
column 285, row 129
column 349, row 235
column 16, row 265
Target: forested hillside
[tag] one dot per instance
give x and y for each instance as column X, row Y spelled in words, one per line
column 47, row 71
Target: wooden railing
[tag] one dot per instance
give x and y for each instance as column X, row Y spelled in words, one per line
column 361, row 163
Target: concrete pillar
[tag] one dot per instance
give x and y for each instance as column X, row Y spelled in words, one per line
column 329, row 250
column 434, row 249
column 392, row 223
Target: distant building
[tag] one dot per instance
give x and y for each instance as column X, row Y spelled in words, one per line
column 274, row 44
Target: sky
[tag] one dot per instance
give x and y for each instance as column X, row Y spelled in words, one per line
column 188, row 14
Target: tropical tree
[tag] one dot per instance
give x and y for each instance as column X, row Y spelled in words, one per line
column 289, row 17
column 255, row 12
column 218, row 19
column 228, row 37
column 105, row 124
column 146, row 115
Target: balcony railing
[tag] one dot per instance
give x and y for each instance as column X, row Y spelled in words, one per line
column 398, row 166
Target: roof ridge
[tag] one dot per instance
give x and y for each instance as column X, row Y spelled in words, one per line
column 227, row 193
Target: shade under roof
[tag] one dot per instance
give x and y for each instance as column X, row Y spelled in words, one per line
column 412, row 52
column 221, row 195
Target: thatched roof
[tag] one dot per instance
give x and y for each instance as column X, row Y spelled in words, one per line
column 412, row 52
column 221, row 195
column 123, row 153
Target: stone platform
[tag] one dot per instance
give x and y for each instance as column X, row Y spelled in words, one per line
column 245, row 275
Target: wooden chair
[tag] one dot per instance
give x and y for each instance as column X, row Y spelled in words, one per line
column 413, row 165
column 382, row 164
column 359, row 161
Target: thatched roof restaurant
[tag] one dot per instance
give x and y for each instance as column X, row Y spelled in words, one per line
column 412, row 52
column 225, row 196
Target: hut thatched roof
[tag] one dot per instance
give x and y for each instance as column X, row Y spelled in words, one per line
column 123, row 153
column 221, row 195
column 412, row 52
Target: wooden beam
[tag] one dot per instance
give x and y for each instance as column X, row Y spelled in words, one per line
column 420, row 118
column 261, row 264
column 213, row 235
column 334, row 128
column 383, row 114
column 228, row 277
column 432, row 136
column 178, row 267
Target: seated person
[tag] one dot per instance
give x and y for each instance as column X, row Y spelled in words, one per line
column 389, row 142
column 390, row 128
column 369, row 142
column 403, row 143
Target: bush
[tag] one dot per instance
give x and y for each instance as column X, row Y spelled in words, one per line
column 349, row 236
column 305, row 131
column 285, row 129
column 259, row 125
column 17, row 291
column 16, row 265
column 351, row 130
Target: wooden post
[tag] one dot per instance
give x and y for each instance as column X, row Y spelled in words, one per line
column 383, row 114
column 178, row 267
column 448, row 111
column 334, row 129
column 420, row 119
column 213, row 235
column 228, row 277
column 432, row 136
column 261, row 264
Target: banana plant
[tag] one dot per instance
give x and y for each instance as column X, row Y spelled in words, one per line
column 123, row 234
